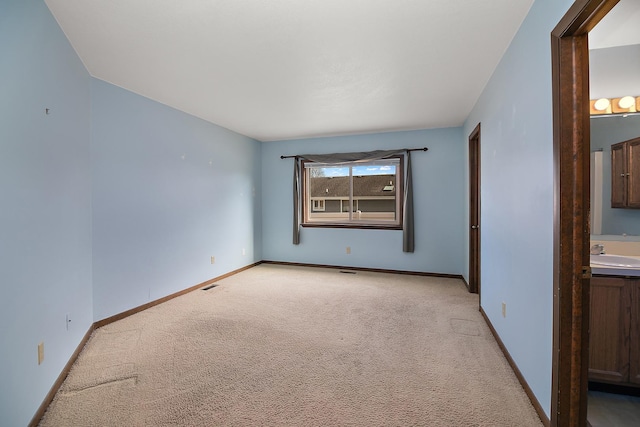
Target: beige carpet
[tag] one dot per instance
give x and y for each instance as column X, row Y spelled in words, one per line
column 293, row 346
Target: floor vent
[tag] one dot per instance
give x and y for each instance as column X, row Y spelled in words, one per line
column 347, row 272
column 210, row 286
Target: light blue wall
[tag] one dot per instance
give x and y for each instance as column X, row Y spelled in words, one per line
column 169, row 192
column 438, row 197
column 97, row 196
column 604, row 132
column 45, row 215
column 515, row 110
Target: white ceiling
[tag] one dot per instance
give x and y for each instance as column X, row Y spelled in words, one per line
column 284, row 69
column 620, row 27
column 614, row 60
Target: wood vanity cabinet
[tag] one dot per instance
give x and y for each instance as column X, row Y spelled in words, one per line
column 634, row 339
column 614, row 331
column 625, row 174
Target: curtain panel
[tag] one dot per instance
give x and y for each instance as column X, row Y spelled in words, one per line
column 408, row 242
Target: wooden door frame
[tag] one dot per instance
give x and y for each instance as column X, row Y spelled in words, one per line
column 571, row 150
column 474, row 203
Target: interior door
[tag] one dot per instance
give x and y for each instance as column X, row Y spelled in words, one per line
column 474, row 210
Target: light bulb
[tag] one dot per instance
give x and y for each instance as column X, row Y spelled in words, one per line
column 601, row 104
column 626, row 102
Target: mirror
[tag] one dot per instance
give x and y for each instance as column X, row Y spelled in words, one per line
column 614, row 72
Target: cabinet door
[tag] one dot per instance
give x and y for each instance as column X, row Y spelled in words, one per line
column 618, row 176
column 609, row 330
column 633, row 173
column 634, row 337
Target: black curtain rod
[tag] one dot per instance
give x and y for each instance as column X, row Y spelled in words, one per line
column 408, row 149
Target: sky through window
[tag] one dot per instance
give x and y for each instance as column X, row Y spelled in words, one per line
column 360, row 170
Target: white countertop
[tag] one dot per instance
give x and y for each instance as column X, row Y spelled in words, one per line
column 616, row 271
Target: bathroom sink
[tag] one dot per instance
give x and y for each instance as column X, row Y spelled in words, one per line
column 615, row 261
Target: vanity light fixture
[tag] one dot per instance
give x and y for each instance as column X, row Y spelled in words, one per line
column 623, row 105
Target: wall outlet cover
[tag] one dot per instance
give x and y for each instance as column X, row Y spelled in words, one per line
column 40, row 353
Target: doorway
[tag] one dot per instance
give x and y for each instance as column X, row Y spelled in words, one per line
column 474, row 211
column 571, row 130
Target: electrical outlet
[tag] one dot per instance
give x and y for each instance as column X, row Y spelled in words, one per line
column 213, row 260
column 504, row 309
column 40, row 353
column 348, row 250
column 244, row 252
column 68, row 321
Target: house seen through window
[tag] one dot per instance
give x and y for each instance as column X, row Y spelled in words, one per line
column 361, row 194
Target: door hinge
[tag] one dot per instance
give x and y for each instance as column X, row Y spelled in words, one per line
column 586, row 272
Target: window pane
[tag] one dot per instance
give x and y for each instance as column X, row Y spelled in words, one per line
column 374, row 192
column 331, row 184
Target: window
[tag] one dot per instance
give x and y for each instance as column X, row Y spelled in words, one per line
column 359, row 194
column 318, row 205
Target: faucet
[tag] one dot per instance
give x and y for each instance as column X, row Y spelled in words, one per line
column 597, row 249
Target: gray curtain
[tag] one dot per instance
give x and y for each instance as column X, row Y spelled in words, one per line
column 297, row 194
column 408, row 243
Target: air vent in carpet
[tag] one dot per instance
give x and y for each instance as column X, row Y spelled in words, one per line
column 347, row 272
column 210, row 286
